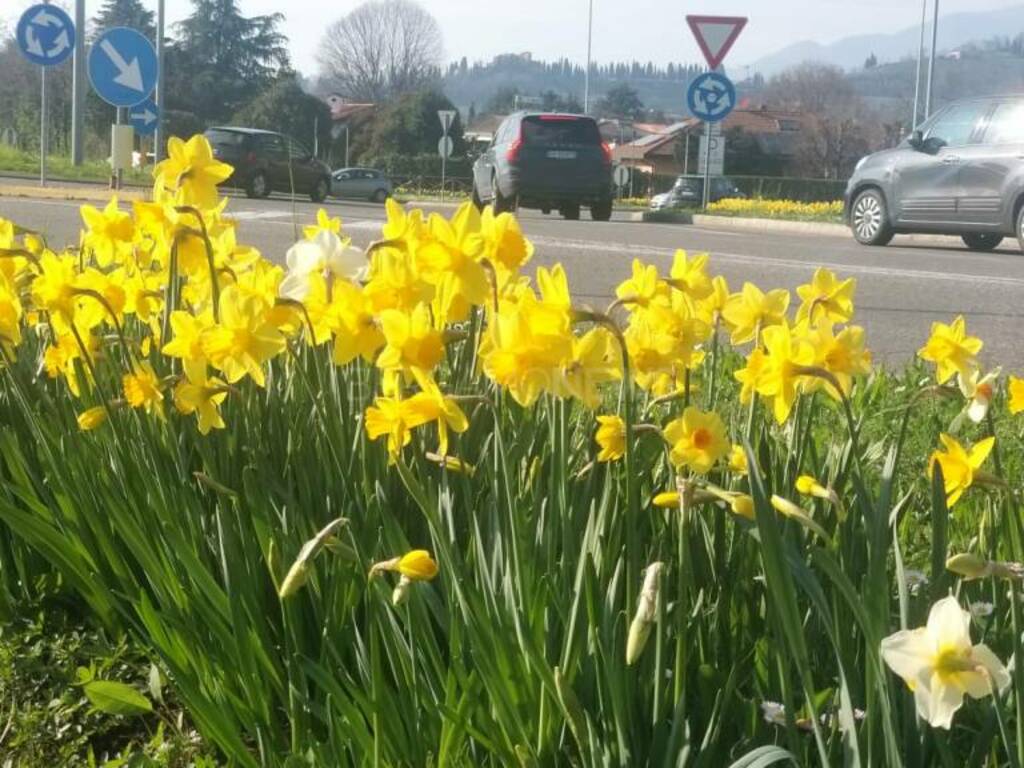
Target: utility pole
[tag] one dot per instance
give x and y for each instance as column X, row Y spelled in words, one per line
column 586, row 75
column 78, row 86
column 920, row 63
column 158, row 144
column 931, row 64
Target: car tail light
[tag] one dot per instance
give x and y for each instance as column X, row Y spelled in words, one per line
column 607, row 150
column 558, row 118
column 513, row 152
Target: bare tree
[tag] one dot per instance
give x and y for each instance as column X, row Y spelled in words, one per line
column 382, row 49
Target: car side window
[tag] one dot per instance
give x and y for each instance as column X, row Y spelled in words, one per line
column 296, row 151
column 957, row 124
column 273, row 146
column 1007, row 124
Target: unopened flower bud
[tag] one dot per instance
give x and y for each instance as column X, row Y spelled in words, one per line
column 296, row 578
column 92, row 418
column 667, row 500
column 969, row 566
column 646, row 613
column 401, row 593
column 743, row 506
column 788, row 509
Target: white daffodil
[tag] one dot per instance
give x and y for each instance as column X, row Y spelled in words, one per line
column 978, row 390
column 939, row 663
column 325, row 253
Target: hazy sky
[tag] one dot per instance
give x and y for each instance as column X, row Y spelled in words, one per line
column 623, row 29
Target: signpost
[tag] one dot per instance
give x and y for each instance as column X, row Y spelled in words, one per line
column 46, row 36
column 445, row 145
column 712, row 96
column 713, row 156
column 123, row 72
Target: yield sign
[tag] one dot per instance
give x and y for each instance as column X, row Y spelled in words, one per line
column 716, row 35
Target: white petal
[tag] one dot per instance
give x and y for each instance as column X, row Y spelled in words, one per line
column 949, row 625
column 347, row 263
column 978, row 409
column 303, row 257
column 328, row 243
column 942, row 702
column 908, row 653
column 996, row 669
column 295, row 286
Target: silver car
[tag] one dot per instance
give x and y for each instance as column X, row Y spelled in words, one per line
column 362, row 183
column 961, row 173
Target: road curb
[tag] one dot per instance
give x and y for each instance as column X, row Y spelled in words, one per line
column 744, row 224
column 84, row 194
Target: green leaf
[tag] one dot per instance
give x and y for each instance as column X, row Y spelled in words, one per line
column 762, row 757
column 115, row 698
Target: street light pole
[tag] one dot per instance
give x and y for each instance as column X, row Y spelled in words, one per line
column 158, row 144
column 78, row 86
column 920, row 63
column 931, row 64
column 586, row 75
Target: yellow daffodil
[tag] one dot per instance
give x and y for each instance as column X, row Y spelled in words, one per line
column 393, row 418
column 940, row 665
column 243, row 341
column 411, row 341
column 952, row 350
column 690, row 275
column 142, row 390
column 666, row 499
column 504, row 244
column 751, row 310
column 54, row 289
column 738, row 460
column 643, row 287
column 698, row 440
column 192, row 170
column 324, row 223
column 959, row 466
column 750, row 375
column 781, row 375
column 10, row 320
column 978, row 390
column 611, row 437
column 100, row 299
column 595, row 361
column 395, row 281
column 431, row 405
column 107, row 232
column 842, row 354
column 710, row 308
column 204, row 400
column 453, row 252
column 187, row 344
column 1015, row 389
column 356, row 332
column 826, row 297
column 61, row 357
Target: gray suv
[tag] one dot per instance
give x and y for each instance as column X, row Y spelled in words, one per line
column 546, row 161
column 961, row 173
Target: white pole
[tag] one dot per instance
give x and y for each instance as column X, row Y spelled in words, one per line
column 707, row 164
column 78, row 86
column 931, row 64
column 920, row 62
column 44, row 134
column 346, row 145
column 586, row 75
column 158, row 144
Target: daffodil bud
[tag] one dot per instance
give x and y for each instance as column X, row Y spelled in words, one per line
column 297, row 576
column 667, row 500
column 646, row 613
column 788, row 509
column 969, row 566
column 743, row 506
column 92, row 418
column 401, row 593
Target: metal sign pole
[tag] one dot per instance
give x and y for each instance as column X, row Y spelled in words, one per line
column 78, row 86
column 707, row 164
column 158, row 145
column 444, row 169
column 44, row 137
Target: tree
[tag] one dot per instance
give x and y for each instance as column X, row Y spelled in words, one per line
column 124, row 13
column 621, row 101
column 871, row 62
column 503, row 101
column 409, row 126
column 287, row 109
column 223, row 59
column 381, row 50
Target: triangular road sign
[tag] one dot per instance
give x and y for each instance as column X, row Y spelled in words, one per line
column 716, row 35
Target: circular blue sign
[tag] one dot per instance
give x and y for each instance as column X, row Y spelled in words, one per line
column 122, row 67
column 144, row 117
column 711, row 97
column 46, row 35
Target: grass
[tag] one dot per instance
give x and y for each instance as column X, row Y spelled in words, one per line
column 60, row 168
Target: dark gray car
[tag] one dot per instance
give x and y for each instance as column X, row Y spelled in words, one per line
column 961, row 173
column 546, row 161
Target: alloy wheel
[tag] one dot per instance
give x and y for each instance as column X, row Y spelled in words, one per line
column 867, row 217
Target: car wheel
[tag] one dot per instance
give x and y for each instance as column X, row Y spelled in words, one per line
column 602, row 211
column 1020, row 227
column 869, row 220
column 982, row 241
column 380, row 196
column 501, row 203
column 258, row 186
column 571, row 212
column 319, row 192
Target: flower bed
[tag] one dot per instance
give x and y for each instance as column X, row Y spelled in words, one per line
column 407, row 506
column 779, row 209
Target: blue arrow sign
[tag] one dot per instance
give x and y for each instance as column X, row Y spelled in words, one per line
column 122, row 67
column 46, row 35
column 144, row 117
column 711, row 97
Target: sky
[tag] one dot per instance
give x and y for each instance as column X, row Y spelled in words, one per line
column 635, row 29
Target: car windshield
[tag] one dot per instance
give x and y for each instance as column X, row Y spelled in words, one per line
column 687, row 185
column 225, row 138
column 559, row 130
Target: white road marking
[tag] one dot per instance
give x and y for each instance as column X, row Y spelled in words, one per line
column 255, row 215
column 796, row 264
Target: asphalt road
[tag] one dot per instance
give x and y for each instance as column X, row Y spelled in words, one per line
column 901, row 289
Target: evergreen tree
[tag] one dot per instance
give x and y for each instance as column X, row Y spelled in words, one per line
column 124, row 13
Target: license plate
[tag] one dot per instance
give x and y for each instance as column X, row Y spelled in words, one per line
column 562, row 154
